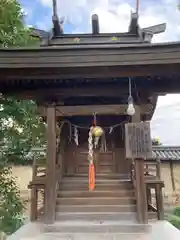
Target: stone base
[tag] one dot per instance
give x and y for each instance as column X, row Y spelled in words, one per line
column 160, row 230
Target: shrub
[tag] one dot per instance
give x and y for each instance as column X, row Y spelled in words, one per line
column 11, row 205
column 176, row 211
column 174, row 220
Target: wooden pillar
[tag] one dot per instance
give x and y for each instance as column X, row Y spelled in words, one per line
column 159, row 202
column 50, row 191
column 34, row 199
column 34, row 194
column 141, row 196
column 149, row 196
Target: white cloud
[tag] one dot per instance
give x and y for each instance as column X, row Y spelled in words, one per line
column 167, row 100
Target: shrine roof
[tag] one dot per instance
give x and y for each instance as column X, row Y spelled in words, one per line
column 119, row 59
column 93, row 55
column 43, row 66
column 78, row 45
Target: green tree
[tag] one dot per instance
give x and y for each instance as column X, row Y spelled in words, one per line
column 20, row 127
column 11, row 205
column 22, row 130
column 12, row 29
column 156, row 142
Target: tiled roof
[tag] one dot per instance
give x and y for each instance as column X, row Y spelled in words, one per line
column 166, row 152
column 39, row 33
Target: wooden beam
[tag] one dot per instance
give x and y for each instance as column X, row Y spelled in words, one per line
column 52, row 72
column 50, row 193
column 52, row 84
column 86, row 110
column 62, row 93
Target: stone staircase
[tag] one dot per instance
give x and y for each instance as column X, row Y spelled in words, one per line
column 109, row 212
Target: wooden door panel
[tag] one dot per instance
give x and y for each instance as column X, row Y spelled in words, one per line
column 104, row 162
column 101, row 169
column 109, row 162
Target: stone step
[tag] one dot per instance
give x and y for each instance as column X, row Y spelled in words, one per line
column 97, row 227
column 79, row 180
column 96, row 201
column 95, row 236
column 96, row 193
column 99, row 216
column 100, row 185
column 99, row 176
column 96, row 208
column 85, row 187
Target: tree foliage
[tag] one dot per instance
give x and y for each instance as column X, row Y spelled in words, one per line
column 174, row 218
column 156, row 142
column 12, row 29
column 21, row 128
column 11, row 205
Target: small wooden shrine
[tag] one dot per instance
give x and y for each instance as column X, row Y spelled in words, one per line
column 94, row 80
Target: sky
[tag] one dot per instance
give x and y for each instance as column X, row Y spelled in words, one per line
column 114, row 16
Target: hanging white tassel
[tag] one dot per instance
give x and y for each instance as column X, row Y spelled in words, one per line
column 76, row 139
column 96, row 142
column 111, row 130
column 103, row 143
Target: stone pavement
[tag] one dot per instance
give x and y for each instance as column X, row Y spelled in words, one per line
column 160, row 230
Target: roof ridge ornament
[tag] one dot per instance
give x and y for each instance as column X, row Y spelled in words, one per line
column 149, row 32
column 57, row 24
column 95, row 24
column 134, row 26
column 145, row 33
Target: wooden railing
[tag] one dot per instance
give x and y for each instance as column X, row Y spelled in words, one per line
column 38, row 185
column 152, row 169
column 154, row 186
column 152, row 181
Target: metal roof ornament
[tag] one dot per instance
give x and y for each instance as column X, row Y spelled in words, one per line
column 114, row 38
column 77, row 40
